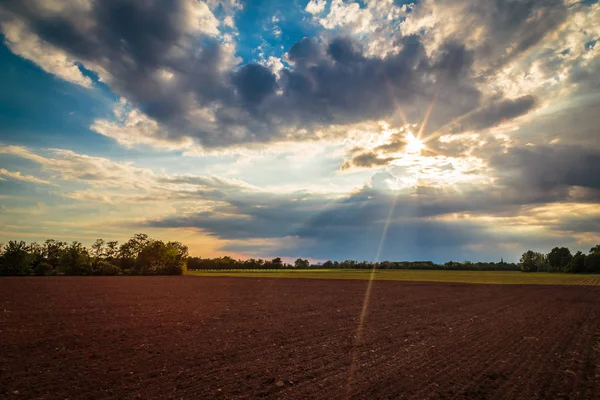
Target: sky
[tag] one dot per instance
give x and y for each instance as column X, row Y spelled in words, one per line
column 323, row 129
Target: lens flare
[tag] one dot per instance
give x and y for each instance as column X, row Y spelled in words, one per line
column 366, row 300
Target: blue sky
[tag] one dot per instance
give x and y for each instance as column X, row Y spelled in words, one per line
column 329, row 129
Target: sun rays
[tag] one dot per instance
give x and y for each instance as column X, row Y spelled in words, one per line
column 367, row 298
column 414, row 145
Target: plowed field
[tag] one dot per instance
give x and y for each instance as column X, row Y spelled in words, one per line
column 222, row 337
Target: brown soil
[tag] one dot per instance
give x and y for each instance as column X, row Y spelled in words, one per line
column 192, row 337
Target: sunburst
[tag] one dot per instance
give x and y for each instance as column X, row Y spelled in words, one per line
column 414, row 145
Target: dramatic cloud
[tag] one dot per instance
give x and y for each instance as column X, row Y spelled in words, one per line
column 353, row 227
column 550, row 168
column 492, row 114
column 175, row 63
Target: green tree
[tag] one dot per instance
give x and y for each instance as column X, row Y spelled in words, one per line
column 301, row 264
column 577, row 264
column 36, row 252
column 98, row 249
column 276, row 263
column 159, row 258
column 75, row 260
column 111, row 253
column 52, row 250
column 130, row 251
column 532, row 261
column 15, row 259
column 592, row 263
column 559, row 258
column 175, row 259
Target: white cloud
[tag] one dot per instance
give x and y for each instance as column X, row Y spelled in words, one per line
column 316, row 6
column 200, row 18
column 106, row 175
column 20, row 177
column 29, row 46
column 274, row 64
column 348, row 15
column 376, row 24
column 96, row 171
column 228, row 21
column 137, row 129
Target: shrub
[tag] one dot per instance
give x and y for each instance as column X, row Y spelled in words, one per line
column 107, row 269
column 159, row 258
column 129, row 272
column 43, row 269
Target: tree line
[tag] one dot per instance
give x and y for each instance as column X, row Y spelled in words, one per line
column 228, row 263
column 560, row 259
column 140, row 255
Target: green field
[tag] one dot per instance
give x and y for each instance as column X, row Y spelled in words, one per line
column 492, row 277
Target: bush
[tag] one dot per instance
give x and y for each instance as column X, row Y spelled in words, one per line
column 106, row 269
column 43, row 269
column 129, row 272
column 159, row 258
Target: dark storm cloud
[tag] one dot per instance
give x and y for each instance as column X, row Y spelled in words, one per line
column 344, row 50
column 232, row 227
column 333, row 82
column 305, row 52
column 254, row 82
column 455, row 60
column 366, row 160
column 251, row 215
column 493, row 114
column 344, row 86
column 580, row 224
column 503, row 110
column 549, row 170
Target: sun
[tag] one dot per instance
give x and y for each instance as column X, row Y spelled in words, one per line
column 414, row 145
